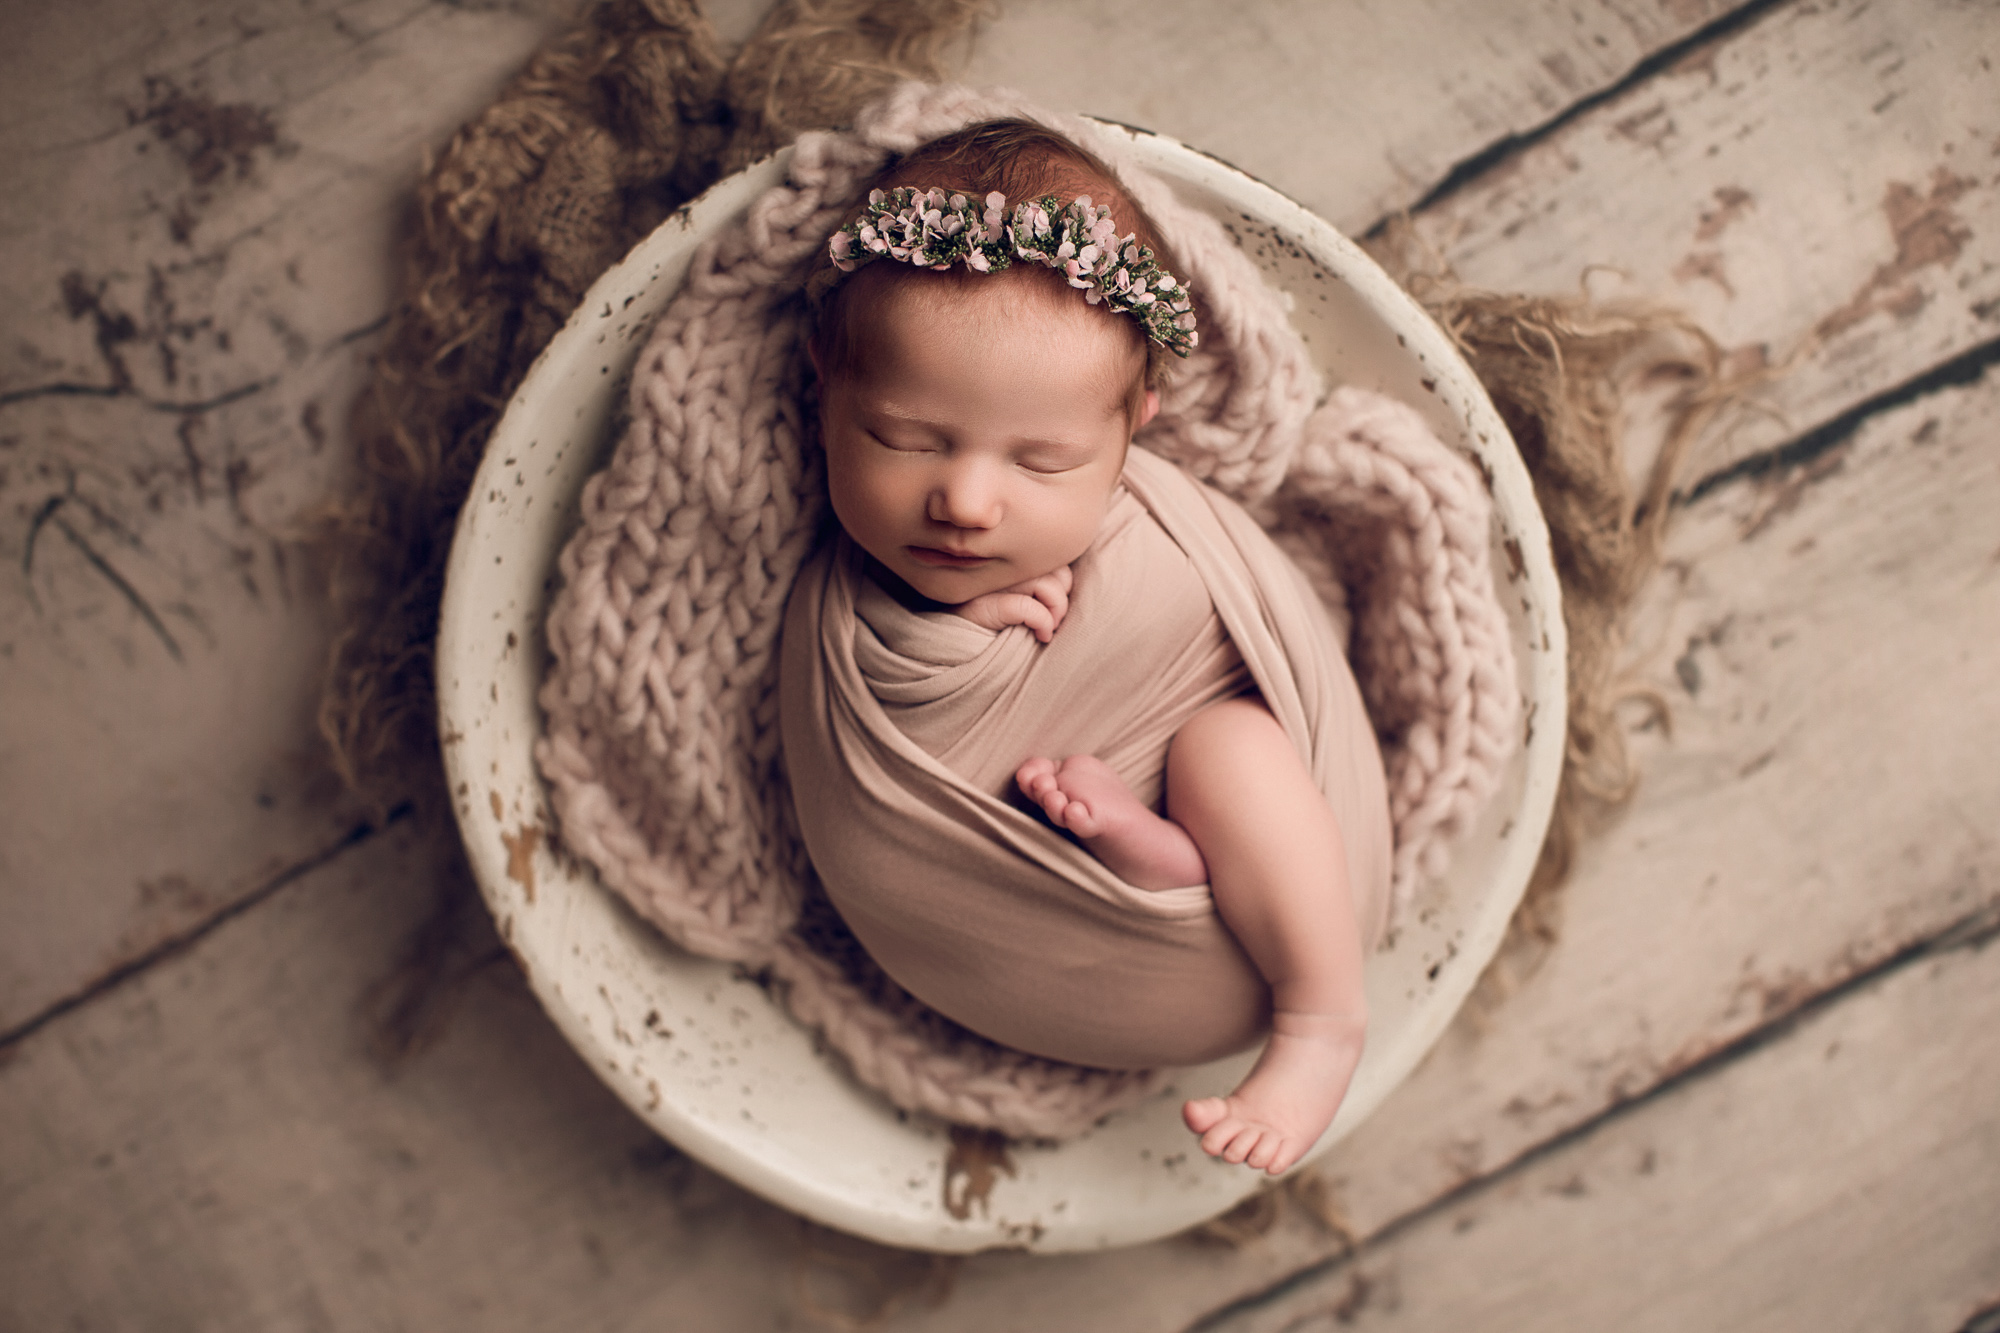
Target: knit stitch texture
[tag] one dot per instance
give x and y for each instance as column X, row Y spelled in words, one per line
column 661, row 747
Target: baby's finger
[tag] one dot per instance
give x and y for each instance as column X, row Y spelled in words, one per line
column 1052, row 591
column 1031, row 612
column 1054, row 598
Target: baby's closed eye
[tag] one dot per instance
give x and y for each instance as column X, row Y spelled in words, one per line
column 1052, row 459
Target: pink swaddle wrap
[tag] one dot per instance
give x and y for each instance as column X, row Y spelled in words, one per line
column 902, row 730
column 661, row 749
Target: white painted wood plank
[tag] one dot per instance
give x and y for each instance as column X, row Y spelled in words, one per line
column 201, row 204
column 1822, row 191
column 1759, row 867
column 202, row 207
column 295, row 1177
column 1844, row 1177
column 1826, row 799
column 1354, row 109
column 208, row 1146
column 1813, row 815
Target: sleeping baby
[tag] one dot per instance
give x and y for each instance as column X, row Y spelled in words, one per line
column 1074, row 749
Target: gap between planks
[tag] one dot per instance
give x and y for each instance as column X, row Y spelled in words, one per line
column 1968, row 934
column 1495, row 155
column 1960, row 371
column 180, row 942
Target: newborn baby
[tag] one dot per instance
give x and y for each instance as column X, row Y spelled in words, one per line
column 977, row 422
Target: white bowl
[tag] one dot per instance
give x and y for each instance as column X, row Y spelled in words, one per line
column 702, row 1053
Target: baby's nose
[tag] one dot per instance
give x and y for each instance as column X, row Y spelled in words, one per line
column 967, row 498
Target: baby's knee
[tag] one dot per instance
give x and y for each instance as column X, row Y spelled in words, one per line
column 1236, row 734
column 1233, row 760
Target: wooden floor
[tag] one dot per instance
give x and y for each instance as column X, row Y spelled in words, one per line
column 1755, row 1086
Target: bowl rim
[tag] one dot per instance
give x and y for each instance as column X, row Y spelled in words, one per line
column 483, row 724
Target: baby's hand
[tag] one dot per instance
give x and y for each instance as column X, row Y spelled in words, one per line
column 1040, row 604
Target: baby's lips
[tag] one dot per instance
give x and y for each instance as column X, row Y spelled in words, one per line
column 934, row 555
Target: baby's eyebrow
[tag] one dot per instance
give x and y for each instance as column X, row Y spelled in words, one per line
column 901, row 418
column 1031, row 444
column 890, row 414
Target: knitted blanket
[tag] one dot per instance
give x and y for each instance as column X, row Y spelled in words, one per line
column 903, row 729
column 662, row 748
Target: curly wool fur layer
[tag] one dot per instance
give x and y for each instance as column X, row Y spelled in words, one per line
column 662, row 743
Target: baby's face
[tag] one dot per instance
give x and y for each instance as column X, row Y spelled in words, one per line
column 981, row 445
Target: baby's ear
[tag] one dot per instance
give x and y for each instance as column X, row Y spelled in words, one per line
column 1148, row 410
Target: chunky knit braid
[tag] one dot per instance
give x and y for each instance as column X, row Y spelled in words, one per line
column 661, row 749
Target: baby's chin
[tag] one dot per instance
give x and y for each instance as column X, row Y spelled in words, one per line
column 946, row 586
column 956, row 587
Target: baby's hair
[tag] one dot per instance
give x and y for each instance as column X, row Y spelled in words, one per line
column 1021, row 160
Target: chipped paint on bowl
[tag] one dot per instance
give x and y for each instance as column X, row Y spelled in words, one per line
column 700, row 1050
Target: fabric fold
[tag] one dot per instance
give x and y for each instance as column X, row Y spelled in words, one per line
column 903, row 728
column 661, row 747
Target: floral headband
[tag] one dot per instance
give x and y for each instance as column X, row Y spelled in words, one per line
column 935, row 230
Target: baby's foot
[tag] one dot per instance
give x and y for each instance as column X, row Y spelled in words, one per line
column 1084, row 795
column 1289, row 1098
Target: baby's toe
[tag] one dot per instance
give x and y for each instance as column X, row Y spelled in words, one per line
column 1246, row 1141
column 1081, row 820
column 1222, row 1137
column 1267, row 1152
column 1286, row 1158
column 1035, row 776
column 1201, row 1114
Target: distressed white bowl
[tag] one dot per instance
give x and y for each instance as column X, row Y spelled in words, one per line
column 704, row 1054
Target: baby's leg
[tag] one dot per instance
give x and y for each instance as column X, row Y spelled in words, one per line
column 1278, row 870
column 1084, row 795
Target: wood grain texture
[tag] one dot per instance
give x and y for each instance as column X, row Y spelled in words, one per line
column 1813, row 816
column 1355, row 110
column 1821, row 190
column 198, row 224
column 211, row 1144
column 1824, row 802
column 1845, row 1180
